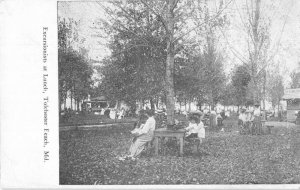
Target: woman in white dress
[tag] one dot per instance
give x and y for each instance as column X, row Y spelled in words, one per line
column 143, row 135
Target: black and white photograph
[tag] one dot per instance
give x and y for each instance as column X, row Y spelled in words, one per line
column 150, row 94
column 179, row 92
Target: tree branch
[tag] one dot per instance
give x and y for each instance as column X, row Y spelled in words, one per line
column 189, row 31
column 157, row 14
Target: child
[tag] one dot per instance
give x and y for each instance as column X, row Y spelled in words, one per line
column 195, row 129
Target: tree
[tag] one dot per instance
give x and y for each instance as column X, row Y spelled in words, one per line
column 275, row 89
column 74, row 69
column 175, row 30
column 258, row 44
column 240, row 81
column 256, row 17
column 135, row 69
column 228, row 97
column 295, row 76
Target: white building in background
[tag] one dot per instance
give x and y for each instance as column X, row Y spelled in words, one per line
column 72, row 104
column 292, row 97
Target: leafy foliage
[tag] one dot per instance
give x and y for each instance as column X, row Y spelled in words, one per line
column 240, row 80
column 74, row 69
column 276, row 89
column 147, row 51
column 135, row 70
column 295, row 76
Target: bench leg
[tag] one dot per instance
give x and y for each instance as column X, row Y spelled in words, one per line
column 181, row 146
column 198, row 144
column 156, row 145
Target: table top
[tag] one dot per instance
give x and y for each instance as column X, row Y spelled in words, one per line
column 168, row 132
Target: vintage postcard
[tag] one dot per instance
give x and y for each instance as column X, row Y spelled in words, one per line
column 130, row 94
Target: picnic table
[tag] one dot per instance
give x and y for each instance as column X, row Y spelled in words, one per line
column 164, row 132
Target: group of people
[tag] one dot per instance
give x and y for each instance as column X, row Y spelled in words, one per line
column 249, row 121
column 144, row 132
column 113, row 113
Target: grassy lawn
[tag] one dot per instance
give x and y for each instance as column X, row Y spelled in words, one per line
column 92, row 119
column 89, row 157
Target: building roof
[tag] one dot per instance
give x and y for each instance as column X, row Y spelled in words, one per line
column 291, row 94
column 99, row 98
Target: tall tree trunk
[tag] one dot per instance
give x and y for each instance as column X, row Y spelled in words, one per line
column 279, row 115
column 78, row 109
column 152, row 104
column 143, row 103
column 170, row 63
column 256, row 50
column 180, row 105
column 71, row 99
column 264, row 95
column 65, row 103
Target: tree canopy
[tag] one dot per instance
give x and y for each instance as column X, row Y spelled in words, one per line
column 74, row 69
column 148, row 44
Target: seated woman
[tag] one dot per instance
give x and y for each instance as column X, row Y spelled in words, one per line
column 139, row 125
column 143, row 135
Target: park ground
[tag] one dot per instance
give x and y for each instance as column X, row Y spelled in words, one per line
column 89, row 157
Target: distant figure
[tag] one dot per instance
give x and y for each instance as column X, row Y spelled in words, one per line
column 107, row 113
column 298, row 115
column 242, row 118
column 112, row 114
column 227, row 113
column 249, row 116
column 121, row 114
column 257, row 112
column 257, row 126
column 219, row 121
column 102, row 111
column 213, row 119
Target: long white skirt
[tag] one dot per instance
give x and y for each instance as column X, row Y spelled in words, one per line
column 139, row 144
